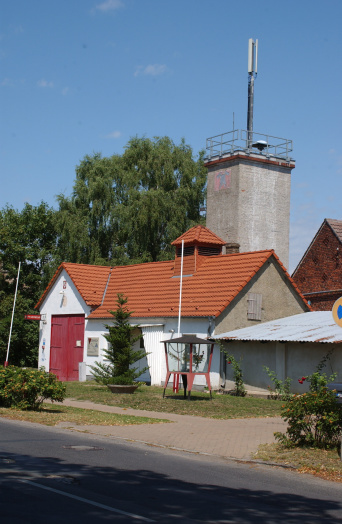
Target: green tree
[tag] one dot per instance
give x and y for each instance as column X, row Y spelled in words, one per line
column 129, row 208
column 85, row 221
column 120, row 353
column 28, row 236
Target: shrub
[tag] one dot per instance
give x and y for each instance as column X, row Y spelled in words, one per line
column 120, row 353
column 28, row 388
column 281, row 387
column 239, row 389
column 319, row 380
column 314, row 419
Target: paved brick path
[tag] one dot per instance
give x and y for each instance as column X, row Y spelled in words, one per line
column 234, row 438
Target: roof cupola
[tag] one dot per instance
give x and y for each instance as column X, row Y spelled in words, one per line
column 199, row 242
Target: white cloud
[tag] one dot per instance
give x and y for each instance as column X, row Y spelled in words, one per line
column 44, row 83
column 65, row 91
column 7, row 82
column 114, row 134
column 109, row 5
column 152, row 70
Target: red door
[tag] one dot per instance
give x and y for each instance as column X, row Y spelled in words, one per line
column 66, row 348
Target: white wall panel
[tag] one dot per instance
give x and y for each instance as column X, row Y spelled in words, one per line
column 153, row 335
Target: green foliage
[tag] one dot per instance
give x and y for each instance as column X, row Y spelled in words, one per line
column 28, row 236
column 27, row 388
column 314, row 419
column 319, row 380
column 24, row 340
column 281, row 389
column 129, row 208
column 120, row 353
column 123, row 210
column 85, row 221
column 239, row 389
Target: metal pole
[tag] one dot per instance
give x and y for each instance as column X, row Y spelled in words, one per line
column 10, row 333
column 180, row 290
column 252, row 71
column 250, row 109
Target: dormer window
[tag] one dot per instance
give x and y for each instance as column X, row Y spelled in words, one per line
column 209, row 251
column 188, row 251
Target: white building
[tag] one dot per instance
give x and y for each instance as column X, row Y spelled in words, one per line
column 219, row 293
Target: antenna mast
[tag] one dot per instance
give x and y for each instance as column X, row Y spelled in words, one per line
column 252, row 73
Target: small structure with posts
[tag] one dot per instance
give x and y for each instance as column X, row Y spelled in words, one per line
column 187, row 357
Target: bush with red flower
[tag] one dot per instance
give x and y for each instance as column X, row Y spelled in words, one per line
column 314, row 418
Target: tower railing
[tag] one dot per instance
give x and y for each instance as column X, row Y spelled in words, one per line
column 249, row 142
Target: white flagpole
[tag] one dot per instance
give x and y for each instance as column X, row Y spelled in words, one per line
column 10, row 333
column 180, row 290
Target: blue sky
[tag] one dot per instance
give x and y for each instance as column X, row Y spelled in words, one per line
column 83, row 76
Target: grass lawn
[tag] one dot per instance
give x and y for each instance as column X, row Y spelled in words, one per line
column 150, row 398
column 51, row 415
column 320, row 462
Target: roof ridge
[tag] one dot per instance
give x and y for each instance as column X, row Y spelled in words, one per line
column 81, row 264
column 249, row 252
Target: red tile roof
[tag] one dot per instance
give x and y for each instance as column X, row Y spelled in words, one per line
column 199, row 235
column 90, row 281
column 152, row 291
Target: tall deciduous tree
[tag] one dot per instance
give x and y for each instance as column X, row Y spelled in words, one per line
column 27, row 236
column 129, row 209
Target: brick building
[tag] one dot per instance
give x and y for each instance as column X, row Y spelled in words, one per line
column 319, row 273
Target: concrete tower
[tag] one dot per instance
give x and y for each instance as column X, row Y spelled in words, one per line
column 248, row 194
column 249, row 179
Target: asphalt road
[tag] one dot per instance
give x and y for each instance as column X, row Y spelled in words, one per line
column 50, row 475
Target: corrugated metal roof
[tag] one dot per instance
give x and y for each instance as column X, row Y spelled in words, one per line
column 315, row 326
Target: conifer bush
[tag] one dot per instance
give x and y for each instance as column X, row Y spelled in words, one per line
column 120, row 354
